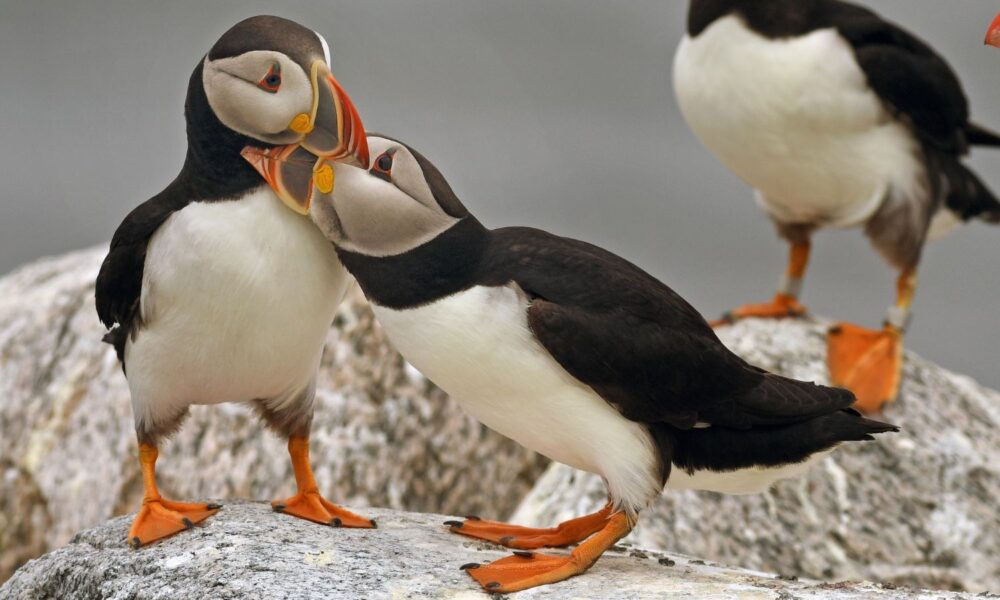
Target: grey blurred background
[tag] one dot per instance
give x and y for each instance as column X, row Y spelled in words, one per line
column 552, row 113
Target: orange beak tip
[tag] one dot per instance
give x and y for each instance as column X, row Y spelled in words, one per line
column 993, row 34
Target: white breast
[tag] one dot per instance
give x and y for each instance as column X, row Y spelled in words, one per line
column 476, row 345
column 796, row 120
column 237, row 299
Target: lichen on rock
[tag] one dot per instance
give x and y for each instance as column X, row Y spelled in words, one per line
column 246, row 551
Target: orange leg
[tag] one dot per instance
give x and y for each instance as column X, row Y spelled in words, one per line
column 786, row 302
column 527, row 569
column 308, row 503
column 528, row 538
column 869, row 362
column 159, row 518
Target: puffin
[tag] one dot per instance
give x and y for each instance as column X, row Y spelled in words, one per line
column 220, row 288
column 837, row 118
column 573, row 352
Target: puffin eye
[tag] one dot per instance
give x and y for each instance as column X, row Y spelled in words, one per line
column 383, row 166
column 272, row 80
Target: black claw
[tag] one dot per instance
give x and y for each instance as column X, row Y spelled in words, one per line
column 455, row 524
column 374, row 524
column 187, row 522
column 492, row 585
column 214, row 506
column 506, row 539
column 336, row 522
column 524, row 553
column 135, row 542
column 468, row 566
column 278, row 507
column 472, row 518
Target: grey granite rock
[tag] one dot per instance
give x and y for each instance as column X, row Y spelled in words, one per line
column 247, row 551
column 918, row 508
column 383, row 434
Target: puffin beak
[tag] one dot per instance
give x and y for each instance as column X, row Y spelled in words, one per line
column 993, row 35
column 332, row 132
column 336, row 133
column 289, row 170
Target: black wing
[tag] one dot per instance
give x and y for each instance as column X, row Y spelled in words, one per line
column 640, row 345
column 119, row 282
column 909, row 77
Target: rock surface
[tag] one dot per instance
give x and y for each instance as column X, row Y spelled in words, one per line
column 919, row 508
column 383, row 435
column 248, row 551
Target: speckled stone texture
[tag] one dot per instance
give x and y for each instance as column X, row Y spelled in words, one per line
column 247, row 551
column 918, row 508
column 383, row 435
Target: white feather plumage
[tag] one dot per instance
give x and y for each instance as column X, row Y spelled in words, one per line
column 476, row 345
column 796, row 120
column 237, row 298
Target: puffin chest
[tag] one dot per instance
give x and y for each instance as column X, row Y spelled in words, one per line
column 795, row 118
column 237, row 300
column 476, row 345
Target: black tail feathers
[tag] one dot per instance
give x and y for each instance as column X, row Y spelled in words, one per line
column 977, row 135
column 725, row 449
column 967, row 195
column 870, row 427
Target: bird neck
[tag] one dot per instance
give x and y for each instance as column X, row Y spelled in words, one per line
column 213, row 167
column 448, row 264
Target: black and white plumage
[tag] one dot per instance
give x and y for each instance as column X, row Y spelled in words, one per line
column 214, row 289
column 836, row 117
column 568, row 349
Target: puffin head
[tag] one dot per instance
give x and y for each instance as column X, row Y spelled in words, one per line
column 397, row 204
column 268, row 80
column 993, row 34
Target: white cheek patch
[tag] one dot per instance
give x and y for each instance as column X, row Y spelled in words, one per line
column 409, row 177
column 230, row 85
column 374, row 217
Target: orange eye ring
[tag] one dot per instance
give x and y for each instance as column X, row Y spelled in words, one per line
column 382, row 166
column 271, row 81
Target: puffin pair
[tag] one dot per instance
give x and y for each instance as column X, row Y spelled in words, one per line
column 220, row 289
column 573, row 352
column 837, row 118
column 215, row 290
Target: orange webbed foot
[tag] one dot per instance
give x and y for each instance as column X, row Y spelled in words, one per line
column 526, row 569
column 529, row 538
column 313, row 507
column 780, row 307
column 161, row 518
column 867, row 362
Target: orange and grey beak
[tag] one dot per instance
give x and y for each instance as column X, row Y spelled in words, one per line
column 336, row 131
column 993, row 35
column 331, row 132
